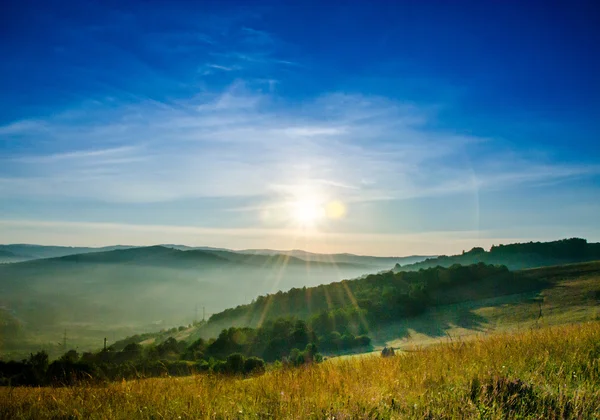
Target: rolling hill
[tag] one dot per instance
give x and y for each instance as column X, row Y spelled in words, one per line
column 121, row 292
column 455, row 287
column 117, row 292
column 492, row 303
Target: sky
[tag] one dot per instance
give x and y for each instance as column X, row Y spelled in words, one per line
column 380, row 128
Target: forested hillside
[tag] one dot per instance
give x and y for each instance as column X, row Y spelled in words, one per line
column 354, row 305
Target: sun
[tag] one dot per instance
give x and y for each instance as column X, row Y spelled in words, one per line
column 307, row 212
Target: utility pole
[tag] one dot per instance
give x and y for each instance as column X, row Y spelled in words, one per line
column 65, row 341
column 104, row 343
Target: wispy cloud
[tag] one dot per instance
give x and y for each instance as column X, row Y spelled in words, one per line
column 219, row 67
column 258, row 37
column 102, row 155
column 244, row 143
column 22, row 126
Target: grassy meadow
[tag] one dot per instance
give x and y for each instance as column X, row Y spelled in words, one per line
column 549, row 372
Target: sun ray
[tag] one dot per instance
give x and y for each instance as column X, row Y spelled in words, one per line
column 285, row 259
column 349, row 293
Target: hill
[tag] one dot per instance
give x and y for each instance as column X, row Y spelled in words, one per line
column 118, row 292
column 465, row 310
column 429, row 303
column 132, row 291
column 517, row 256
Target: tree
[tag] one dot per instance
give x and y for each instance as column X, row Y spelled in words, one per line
column 300, row 334
column 39, row 361
column 132, row 351
column 295, row 358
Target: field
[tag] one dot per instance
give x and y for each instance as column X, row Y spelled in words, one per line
column 550, row 372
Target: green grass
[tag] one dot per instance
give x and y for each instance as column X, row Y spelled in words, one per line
column 551, row 372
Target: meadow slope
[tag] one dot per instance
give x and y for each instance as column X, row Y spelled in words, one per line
column 552, row 372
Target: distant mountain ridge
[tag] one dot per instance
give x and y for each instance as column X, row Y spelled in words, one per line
column 165, row 256
column 25, row 252
column 9, row 256
column 339, row 257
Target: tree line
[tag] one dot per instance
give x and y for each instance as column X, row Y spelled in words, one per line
column 519, row 255
column 234, row 352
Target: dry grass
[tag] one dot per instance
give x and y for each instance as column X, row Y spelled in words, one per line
column 546, row 373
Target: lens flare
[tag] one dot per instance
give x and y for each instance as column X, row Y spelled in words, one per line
column 335, row 209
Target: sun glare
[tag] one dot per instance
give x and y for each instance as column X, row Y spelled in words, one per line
column 307, row 212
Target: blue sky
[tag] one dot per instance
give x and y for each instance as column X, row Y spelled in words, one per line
column 434, row 126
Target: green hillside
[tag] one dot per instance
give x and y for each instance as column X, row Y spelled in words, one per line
column 556, row 295
column 430, row 303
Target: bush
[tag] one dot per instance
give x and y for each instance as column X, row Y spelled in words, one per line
column 202, row 366
column 235, row 363
column 64, row 372
column 254, row 365
column 179, row 368
column 219, row 367
column 363, row 341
